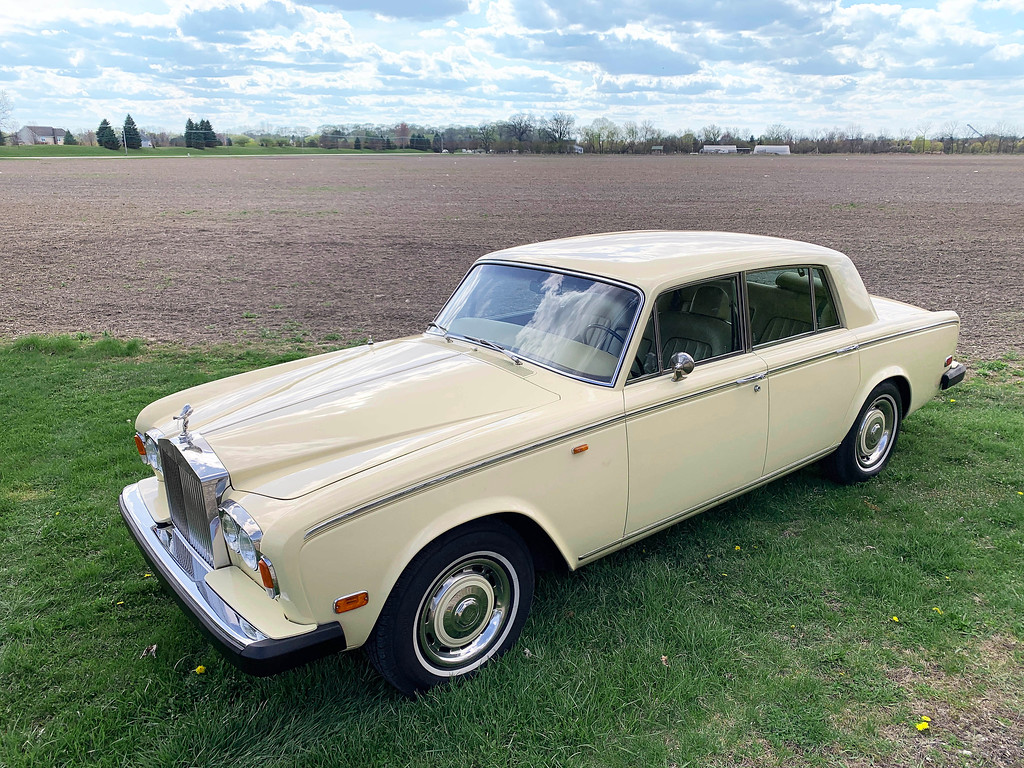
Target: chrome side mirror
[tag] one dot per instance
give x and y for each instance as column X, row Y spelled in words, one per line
column 682, row 365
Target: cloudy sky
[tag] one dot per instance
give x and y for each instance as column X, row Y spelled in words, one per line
column 303, row 63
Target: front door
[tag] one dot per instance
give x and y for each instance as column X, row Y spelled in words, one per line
column 698, row 439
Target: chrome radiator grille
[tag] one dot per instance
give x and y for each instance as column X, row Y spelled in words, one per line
column 192, row 499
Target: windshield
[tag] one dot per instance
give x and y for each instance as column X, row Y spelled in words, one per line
column 574, row 324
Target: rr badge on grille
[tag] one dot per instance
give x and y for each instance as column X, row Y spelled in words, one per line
column 183, row 418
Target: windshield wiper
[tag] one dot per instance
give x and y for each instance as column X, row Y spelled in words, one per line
column 495, row 346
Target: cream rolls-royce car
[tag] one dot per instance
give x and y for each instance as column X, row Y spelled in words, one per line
column 570, row 398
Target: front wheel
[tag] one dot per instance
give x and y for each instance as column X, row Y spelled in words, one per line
column 460, row 603
column 869, row 444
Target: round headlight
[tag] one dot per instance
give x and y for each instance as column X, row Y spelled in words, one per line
column 247, row 550
column 153, row 454
column 230, row 531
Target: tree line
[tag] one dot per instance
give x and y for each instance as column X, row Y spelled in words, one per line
column 560, row 133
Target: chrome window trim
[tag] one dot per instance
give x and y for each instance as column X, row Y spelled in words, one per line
column 679, row 516
column 613, row 381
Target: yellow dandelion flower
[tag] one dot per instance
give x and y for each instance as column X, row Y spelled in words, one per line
column 926, row 718
column 896, row 619
column 952, row 400
column 120, row 602
column 725, row 574
column 146, row 575
column 792, row 626
column 923, row 726
column 1020, row 493
column 937, row 610
column 737, row 547
column 200, row 670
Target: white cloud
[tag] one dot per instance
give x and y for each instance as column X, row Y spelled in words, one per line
column 313, row 61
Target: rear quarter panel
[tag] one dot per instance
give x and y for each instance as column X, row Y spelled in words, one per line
column 905, row 342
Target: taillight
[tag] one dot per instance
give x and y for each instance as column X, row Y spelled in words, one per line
column 949, row 361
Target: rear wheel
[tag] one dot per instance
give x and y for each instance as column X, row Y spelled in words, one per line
column 869, row 444
column 460, row 603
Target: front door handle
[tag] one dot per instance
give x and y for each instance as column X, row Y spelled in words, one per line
column 748, row 379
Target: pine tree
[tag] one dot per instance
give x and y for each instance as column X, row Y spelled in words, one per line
column 69, row 139
column 359, row 143
column 190, row 134
column 106, row 137
column 132, row 137
column 206, row 134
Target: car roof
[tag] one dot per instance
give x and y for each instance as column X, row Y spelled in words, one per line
column 654, row 259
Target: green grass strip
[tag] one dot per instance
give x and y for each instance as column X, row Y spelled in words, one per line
column 803, row 624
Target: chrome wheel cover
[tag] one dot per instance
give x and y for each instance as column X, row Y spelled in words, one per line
column 876, row 432
column 466, row 613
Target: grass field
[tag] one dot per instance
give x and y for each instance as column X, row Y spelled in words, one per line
column 804, row 624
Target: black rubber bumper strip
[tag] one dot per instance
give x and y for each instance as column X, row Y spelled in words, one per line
column 953, row 376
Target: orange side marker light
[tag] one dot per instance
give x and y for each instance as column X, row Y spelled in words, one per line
column 350, row 602
column 140, row 444
column 265, row 573
column 580, row 449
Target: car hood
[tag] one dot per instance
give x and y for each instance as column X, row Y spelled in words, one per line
column 289, row 432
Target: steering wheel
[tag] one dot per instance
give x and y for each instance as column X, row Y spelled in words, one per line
column 597, row 326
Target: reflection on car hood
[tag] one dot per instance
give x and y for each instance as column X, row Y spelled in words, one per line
column 309, row 425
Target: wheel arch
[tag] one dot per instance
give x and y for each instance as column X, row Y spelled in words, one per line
column 897, row 376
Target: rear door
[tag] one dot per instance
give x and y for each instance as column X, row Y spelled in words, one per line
column 811, row 359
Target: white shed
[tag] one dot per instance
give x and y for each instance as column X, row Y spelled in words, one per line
column 771, row 149
column 719, row 149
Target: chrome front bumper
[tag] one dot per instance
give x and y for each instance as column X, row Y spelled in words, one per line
column 243, row 644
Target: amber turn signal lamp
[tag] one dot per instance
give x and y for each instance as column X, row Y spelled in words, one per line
column 949, row 361
column 265, row 573
column 580, row 449
column 139, row 444
column 349, row 602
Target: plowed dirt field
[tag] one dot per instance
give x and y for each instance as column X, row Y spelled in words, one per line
column 336, row 247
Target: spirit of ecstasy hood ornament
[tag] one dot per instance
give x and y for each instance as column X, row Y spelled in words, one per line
column 186, row 412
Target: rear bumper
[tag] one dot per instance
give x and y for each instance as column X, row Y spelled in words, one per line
column 243, row 644
column 953, row 376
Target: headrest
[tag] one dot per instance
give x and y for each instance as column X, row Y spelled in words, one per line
column 712, row 301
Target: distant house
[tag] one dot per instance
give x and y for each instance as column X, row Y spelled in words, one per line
column 771, row 149
column 41, row 134
column 658, row 149
column 719, row 149
column 577, row 149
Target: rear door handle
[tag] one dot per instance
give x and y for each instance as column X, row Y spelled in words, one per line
column 851, row 348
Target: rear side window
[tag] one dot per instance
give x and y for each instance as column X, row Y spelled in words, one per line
column 788, row 303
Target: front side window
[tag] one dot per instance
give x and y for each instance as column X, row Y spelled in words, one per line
column 700, row 319
column 790, row 302
column 574, row 324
